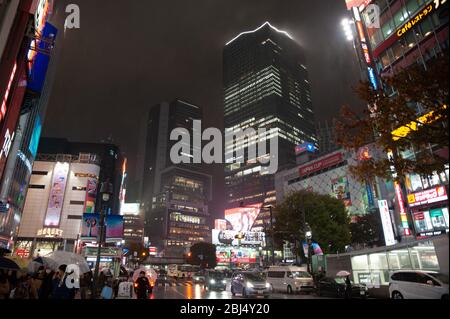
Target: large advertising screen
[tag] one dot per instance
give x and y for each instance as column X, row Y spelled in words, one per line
column 91, row 192
column 242, row 218
column 431, row 222
column 90, row 227
column 341, row 190
column 241, row 255
column 41, row 60
column 228, row 237
column 56, row 198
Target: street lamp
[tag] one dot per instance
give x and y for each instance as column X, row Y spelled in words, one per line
column 308, row 236
column 346, row 25
column 106, row 190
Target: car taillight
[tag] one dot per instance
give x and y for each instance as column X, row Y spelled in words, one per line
column 135, row 285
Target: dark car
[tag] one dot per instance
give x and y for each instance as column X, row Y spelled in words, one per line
column 215, row 280
column 335, row 287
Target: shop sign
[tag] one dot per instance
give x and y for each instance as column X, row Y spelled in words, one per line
column 23, row 253
column 322, row 164
column 50, row 232
column 429, row 196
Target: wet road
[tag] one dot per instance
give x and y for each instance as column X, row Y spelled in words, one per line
column 186, row 289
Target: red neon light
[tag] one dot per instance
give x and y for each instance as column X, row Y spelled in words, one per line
column 8, row 89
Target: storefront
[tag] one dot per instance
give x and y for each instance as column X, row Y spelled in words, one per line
column 373, row 267
column 110, row 258
column 429, row 211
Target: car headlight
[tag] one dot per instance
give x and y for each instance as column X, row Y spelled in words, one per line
column 249, row 285
column 224, row 281
column 212, row 281
column 267, row 285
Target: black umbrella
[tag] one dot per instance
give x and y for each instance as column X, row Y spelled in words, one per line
column 6, row 263
column 4, row 251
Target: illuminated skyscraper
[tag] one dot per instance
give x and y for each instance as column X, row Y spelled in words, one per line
column 265, row 85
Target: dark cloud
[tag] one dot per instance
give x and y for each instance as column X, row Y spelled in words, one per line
column 129, row 55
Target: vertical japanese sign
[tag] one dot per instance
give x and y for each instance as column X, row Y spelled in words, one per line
column 91, row 192
column 56, row 198
column 401, row 206
column 386, row 221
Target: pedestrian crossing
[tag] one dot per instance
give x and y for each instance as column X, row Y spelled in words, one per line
column 174, row 284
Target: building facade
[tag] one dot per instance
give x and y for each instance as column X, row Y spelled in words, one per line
column 329, row 175
column 28, row 58
column 55, row 203
column 175, row 197
column 391, row 36
column 266, row 85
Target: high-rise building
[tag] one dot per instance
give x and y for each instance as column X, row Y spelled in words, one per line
column 326, row 136
column 265, row 86
column 391, row 36
column 174, row 197
column 28, row 53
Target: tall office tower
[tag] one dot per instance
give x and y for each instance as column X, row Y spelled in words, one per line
column 265, row 85
column 174, row 196
column 326, row 136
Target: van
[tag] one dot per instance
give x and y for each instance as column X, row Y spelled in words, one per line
column 289, row 279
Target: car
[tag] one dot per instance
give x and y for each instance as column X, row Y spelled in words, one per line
column 335, row 287
column 416, row 284
column 289, row 279
column 199, row 276
column 250, row 284
column 215, row 280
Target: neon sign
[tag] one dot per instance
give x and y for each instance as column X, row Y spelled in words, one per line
column 8, row 89
column 40, row 17
column 401, row 205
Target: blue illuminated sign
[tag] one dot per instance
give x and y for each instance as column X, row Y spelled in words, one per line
column 305, row 147
column 34, row 142
column 372, row 78
column 38, row 71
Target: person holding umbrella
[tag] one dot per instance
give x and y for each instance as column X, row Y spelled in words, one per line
column 142, row 286
column 60, row 289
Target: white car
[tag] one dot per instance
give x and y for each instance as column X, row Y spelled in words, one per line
column 416, row 284
column 289, row 279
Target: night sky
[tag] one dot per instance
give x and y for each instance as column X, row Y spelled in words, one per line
column 130, row 55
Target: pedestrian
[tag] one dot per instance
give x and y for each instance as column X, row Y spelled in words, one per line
column 142, row 286
column 60, row 289
column 4, row 285
column 36, row 282
column 47, row 284
column 23, row 288
column 348, row 287
column 125, row 289
column 107, row 291
column 85, row 284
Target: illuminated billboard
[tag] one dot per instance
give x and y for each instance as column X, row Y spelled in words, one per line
column 38, row 69
column 90, row 227
column 56, row 198
column 242, row 218
column 34, row 142
column 229, row 237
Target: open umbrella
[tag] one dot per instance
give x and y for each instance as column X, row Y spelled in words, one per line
column 343, row 273
column 6, row 263
column 67, row 258
column 34, row 265
column 21, row 262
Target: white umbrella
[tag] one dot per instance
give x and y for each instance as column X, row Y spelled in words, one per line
column 67, row 258
column 343, row 273
column 34, row 265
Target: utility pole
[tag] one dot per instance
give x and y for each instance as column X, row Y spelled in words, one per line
column 106, row 190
